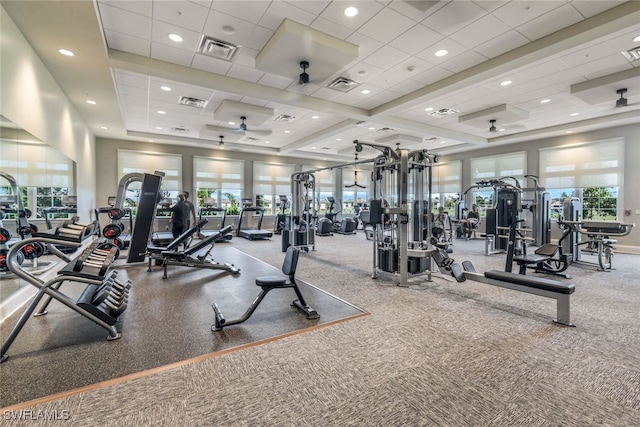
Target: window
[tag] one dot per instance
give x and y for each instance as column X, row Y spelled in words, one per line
column 325, row 186
column 221, row 180
column 44, row 175
column 593, row 172
column 499, row 167
column 446, row 186
column 269, row 181
column 147, row 162
column 355, row 195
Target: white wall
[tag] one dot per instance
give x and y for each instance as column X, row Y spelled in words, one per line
column 32, row 99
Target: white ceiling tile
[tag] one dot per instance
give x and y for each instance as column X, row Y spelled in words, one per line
column 273, row 16
column 180, row 13
column 550, row 22
column 400, row 72
column 205, row 3
column 259, row 37
column 454, row 16
column 357, row 72
column 331, row 28
column 501, row 44
column 480, row 31
column 251, row 10
column 127, row 43
column 386, row 25
column 276, row 81
column 432, row 75
column 417, row 10
column 247, row 57
column 312, row 6
column 334, row 12
column 171, row 54
column 490, row 5
column 542, row 68
column 406, row 86
column 131, row 79
column 415, row 39
column 216, row 21
column 385, row 57
column 140, row 7
column 516, row 13
column 125, row 22
column 588, row 8
column 212, row 65
column 161, row 31
column 327, row 94
column 453, row 47
column 605, row 66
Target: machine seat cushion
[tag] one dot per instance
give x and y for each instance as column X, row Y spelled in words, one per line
column 270, row 280
column 548, row 250
column 530, row 258
column 532, row 282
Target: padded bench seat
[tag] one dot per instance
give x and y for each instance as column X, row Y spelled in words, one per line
column 532, row 282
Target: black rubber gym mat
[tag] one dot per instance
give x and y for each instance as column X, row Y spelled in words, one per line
column 167, row 321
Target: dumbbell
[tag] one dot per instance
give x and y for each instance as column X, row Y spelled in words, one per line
column 33, row 250
column 3, row 259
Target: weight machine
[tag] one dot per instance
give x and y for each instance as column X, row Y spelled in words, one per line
column 300, row 232
column 537, row 205
column 400, row 211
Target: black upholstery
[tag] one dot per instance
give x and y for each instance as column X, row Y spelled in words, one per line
column 288, row 267
column 178, row 240
column 532, row 282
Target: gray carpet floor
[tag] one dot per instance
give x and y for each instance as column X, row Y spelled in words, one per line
column 437, row 353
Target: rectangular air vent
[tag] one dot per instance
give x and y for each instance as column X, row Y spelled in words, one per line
column 444, row 112
column 217, row 48
column 343, row 84
column 632, row 54
column 285, row 118
column 180, row 130
column 384, row 130
column 192, row 102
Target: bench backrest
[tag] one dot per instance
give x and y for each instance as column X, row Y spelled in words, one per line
column 290, row 262
column 209, row 240
column 184, row 236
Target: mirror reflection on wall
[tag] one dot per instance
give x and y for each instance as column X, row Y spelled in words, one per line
column 34, row 178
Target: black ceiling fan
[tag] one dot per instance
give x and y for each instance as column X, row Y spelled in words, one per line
column 355, row 176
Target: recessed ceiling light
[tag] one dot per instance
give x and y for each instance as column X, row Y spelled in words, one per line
column 287, row 131
column 569, row 131
column 314, row 117
column 267, row 142
column 351, row 11
column 443, row 142
column 151, row 140
column 636, row 39
column 165, row 88
column 574, row 114
column 366, row 92
column 158, row 128
column 372, row 128
column 501, row 130
column 544, row 101
column 338, row 139
column 442, row 52
column 89, row 101
column 506, row 83
column 104, row 127
column 428, row 109
column 175, row 37
column 313, row 148
column 66, row 52
column 162, row 112
column 232, row 123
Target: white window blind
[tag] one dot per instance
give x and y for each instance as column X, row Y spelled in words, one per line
column 218, row 174
column 499, row 166
column 447, row 177
column 146, row 162
column 598, row 164
column 36, row 165
column 325, row 179
column 272, row 179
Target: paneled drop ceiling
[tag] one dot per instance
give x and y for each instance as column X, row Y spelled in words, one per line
column 374, row 76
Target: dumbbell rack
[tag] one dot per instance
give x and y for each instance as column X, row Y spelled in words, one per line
column 102, row 300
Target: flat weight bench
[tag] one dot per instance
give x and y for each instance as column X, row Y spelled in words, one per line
column 548, row 288
column 187, row 258
column 266, row 284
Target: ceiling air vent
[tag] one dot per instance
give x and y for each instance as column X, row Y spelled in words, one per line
column 384, row 130
column 285, row 118
column 632, row 54
column 444, row 112
column 251, row 139
column 217, row 48
column 180, row 130
column 343, row 84
column 192, row 102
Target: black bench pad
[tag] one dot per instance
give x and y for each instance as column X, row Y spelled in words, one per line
column 270, row 280
column 530, row 258
column 532, row 282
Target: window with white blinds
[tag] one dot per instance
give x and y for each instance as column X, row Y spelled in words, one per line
column 597, row 164
column 499, row 166
column 325, row 179
column 222, row 180
column 447, row 177
column 130, row 161
column 270, row 181
column 36, row 165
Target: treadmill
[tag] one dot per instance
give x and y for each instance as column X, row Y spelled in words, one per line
column 163, row 210
column 252, row 233
column 209, row 210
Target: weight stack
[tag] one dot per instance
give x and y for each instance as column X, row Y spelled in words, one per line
column 388, row 259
